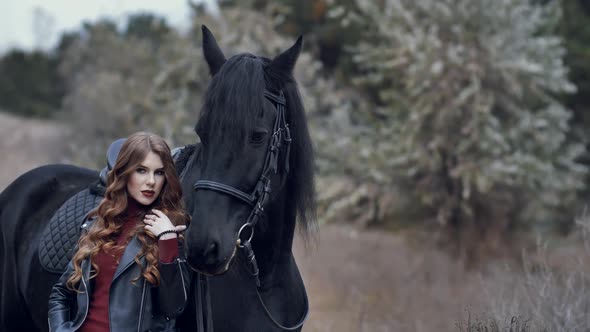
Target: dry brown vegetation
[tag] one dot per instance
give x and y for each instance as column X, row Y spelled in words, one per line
column 374, row 281
column 26, row 143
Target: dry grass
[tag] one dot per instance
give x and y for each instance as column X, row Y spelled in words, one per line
column 515, row 324
column 27, row 143
column 373, row 281
column 551, row 290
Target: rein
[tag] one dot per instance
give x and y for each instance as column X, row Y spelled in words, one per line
column 259, row 197
column 183, row 158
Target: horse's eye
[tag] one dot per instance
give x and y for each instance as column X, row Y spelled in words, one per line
column 258, row 137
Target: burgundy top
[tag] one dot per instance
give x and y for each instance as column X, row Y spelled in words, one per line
column 97, row 319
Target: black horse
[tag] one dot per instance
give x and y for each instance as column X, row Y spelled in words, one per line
column 245, row 186
column 253, row 179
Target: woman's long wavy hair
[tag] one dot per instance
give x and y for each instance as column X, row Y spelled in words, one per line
column 111, row 212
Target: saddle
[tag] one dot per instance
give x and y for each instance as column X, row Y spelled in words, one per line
column 61, row 234
column 112, row 154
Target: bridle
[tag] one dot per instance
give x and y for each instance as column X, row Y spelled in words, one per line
column 261, row 193
column 259, row 197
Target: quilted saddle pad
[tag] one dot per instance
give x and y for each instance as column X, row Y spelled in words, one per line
column 61, row 234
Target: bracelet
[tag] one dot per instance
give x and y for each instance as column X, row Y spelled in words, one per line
column 167, row 232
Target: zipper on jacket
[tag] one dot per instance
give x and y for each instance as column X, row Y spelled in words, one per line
column 141, row 307
column 182, row 279
column 87, row 304
column 85, row 227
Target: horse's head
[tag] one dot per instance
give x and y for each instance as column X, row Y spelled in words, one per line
column 255, row 171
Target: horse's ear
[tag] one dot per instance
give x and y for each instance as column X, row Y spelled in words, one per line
column 285, row 61
column 213, row 54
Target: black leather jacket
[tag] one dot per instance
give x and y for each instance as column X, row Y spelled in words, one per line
column 137, row 306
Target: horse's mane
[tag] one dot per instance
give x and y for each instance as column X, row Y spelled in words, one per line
column 234, row 99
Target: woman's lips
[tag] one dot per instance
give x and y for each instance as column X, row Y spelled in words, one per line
column 148, row 193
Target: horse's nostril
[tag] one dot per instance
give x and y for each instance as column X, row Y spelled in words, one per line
column 211, row 253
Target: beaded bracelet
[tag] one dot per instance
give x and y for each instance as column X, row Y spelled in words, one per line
column 167, row 232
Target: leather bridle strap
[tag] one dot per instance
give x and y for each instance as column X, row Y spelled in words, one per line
column 225, row 189
column 281, row 326
column 279, row 99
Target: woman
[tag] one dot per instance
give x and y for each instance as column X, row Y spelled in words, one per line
column 127, row 274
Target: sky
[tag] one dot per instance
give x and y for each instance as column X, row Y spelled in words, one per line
column 32, row 24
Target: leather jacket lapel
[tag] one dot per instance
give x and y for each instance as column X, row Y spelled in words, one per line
column 86, row 271
column 128, row 257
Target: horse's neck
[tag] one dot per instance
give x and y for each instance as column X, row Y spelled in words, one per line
column 276, row 253
column 282, row 289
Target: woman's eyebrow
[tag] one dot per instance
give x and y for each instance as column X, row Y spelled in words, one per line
column 157, row 169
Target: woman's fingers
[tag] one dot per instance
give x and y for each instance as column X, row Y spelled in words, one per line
column 158, row 213
column 149, row 218
column 180, row 228
column 159, row 223
column 160, row 217
column 149, row 228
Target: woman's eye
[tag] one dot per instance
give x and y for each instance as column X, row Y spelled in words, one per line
column 159, row 172
column 257, row 137
column 140, row 170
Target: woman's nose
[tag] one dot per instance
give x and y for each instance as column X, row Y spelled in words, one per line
column 151, row 179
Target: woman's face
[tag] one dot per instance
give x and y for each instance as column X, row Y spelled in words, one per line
column 147, row 179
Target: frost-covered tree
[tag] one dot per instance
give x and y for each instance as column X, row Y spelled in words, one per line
column 118, row 83
column 469, row 114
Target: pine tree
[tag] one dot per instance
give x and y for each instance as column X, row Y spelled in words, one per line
column 575, row 29
column 469, row 112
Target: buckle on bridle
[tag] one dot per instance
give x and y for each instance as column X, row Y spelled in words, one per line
column 240, row 243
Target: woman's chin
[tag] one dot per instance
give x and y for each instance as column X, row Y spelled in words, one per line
column 145, row 201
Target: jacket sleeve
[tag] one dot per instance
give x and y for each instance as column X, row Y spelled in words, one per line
column 174, row 285
column 60, row 301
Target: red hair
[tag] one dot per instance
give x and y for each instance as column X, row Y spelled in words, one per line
column 111, row 212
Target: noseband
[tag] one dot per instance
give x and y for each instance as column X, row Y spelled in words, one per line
column 259, row 197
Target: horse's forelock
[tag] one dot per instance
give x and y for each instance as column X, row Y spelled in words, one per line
column 233, row 100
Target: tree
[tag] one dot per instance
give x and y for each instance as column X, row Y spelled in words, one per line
column 117, row 84
column 575, row 29
column 327, row 26
column 469, row 118
column 29, row 84
column 147, row 26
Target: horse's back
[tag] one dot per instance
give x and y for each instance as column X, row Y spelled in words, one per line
column 39, row 192
column 26, row 205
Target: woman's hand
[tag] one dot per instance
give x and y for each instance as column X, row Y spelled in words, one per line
column 158, row 222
